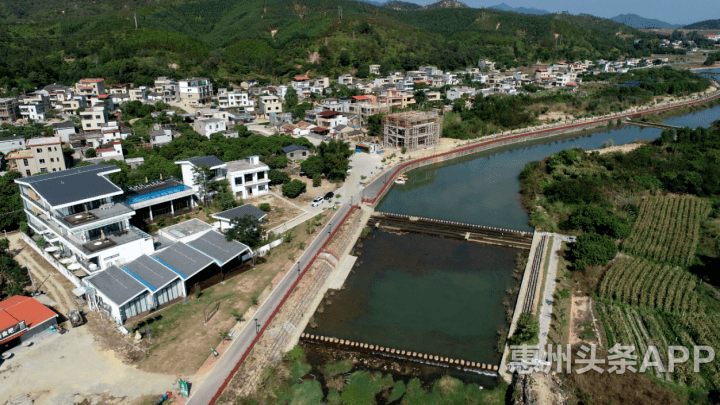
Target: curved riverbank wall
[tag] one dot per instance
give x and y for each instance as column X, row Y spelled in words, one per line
column 376, row 190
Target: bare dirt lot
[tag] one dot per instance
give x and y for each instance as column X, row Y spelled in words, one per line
column 581, row 321
column 78, row 365
column 306, row 198
column 281, row 211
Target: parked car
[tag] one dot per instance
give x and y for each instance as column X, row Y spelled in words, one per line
column 572, row 239
column 349, row 170
column 317, row 201
column 329, row 195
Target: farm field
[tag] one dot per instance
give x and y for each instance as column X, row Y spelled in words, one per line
column 667, row 229
column 643, row 328
column 642, row 283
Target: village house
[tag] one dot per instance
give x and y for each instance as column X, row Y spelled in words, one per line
column 225, row 218
column 296, row 152
column 90, row 87
column 92, row 118
column 196, row 91
column 233, row 99
column 269, row 104
column 43, row 155
column 168, row 87
column 209, row 126
column 63, row 130
column 23, row 318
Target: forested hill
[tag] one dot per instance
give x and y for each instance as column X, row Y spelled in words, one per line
column 231, row 39
column 704, row 25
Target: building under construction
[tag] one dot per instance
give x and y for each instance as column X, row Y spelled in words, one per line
column 412, row 130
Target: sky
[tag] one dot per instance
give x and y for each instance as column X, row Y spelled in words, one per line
column 672, row 11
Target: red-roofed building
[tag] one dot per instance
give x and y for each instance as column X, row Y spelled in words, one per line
column 541, row 74
column 301, row 83
column 23, row 317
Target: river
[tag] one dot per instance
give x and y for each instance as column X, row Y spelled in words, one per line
column 483, row 189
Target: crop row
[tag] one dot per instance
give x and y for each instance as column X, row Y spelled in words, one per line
column 667, row 229
column 641, row 283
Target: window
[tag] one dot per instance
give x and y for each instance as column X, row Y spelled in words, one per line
column 27, row 173
column 261, row 175
column 49, row 149
column 43, row 170
column 97, row 117
column 292, row 154
column 238, row 181
column 54, row 170
column 52, row 160
column 25, row 162
column 38, row 150
column 42, row 161
column 261, row 188
column 248, row 178
column 56, row 149
column 304, row 153
column 87, row 125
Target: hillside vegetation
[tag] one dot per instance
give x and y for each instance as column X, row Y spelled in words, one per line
column 233, row 39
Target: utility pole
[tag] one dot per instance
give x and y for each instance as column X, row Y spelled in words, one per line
column 135, row 15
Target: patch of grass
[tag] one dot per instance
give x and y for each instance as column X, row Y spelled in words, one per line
column 340, row 367
column 362, row 386
column 307, row 392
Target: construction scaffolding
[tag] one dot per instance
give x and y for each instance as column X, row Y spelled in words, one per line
column 412, row 130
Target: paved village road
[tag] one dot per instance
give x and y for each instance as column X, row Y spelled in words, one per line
column 203, row 394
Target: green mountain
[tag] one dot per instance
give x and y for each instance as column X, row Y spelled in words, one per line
column 636, row 21
column 402, row 5
column 704, row 25
column 234, row 39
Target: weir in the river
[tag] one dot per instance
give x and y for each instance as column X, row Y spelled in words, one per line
column 487, row 235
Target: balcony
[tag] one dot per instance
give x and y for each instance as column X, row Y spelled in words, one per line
column 105, row 211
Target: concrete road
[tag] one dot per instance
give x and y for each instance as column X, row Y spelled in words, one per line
column 243, row 340
column 547, row 297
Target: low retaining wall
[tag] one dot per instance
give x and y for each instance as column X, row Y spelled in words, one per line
column 440, row 221
column 397, row 353
column 262, row 250
column 378, row 188
column 50, row 259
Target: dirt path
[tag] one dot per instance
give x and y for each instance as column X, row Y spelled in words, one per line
column 56, row 286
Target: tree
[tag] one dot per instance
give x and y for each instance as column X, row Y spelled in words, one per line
column 317, row 180
column 375, row 124
column 11, row 212
column 265, row 207
column 278, row 177
column 224, row 200
column 293, row 188
column 245, row 230
column 203, row 179
column 420, row 97
column 336, row 158
column 527, row 330
column 313, row 165
column 291, row 98
column 276, row 162
column 90, row 153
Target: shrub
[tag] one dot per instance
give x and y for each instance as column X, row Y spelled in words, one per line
column 317, row 180
column 90, row 153
column 41, row 243
column 160, row 222
column 265, row 207
column 187, row 216
column 590, row 249
column 278, row 177
column 403, row 150
column 293, row 188
column 24, row 228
